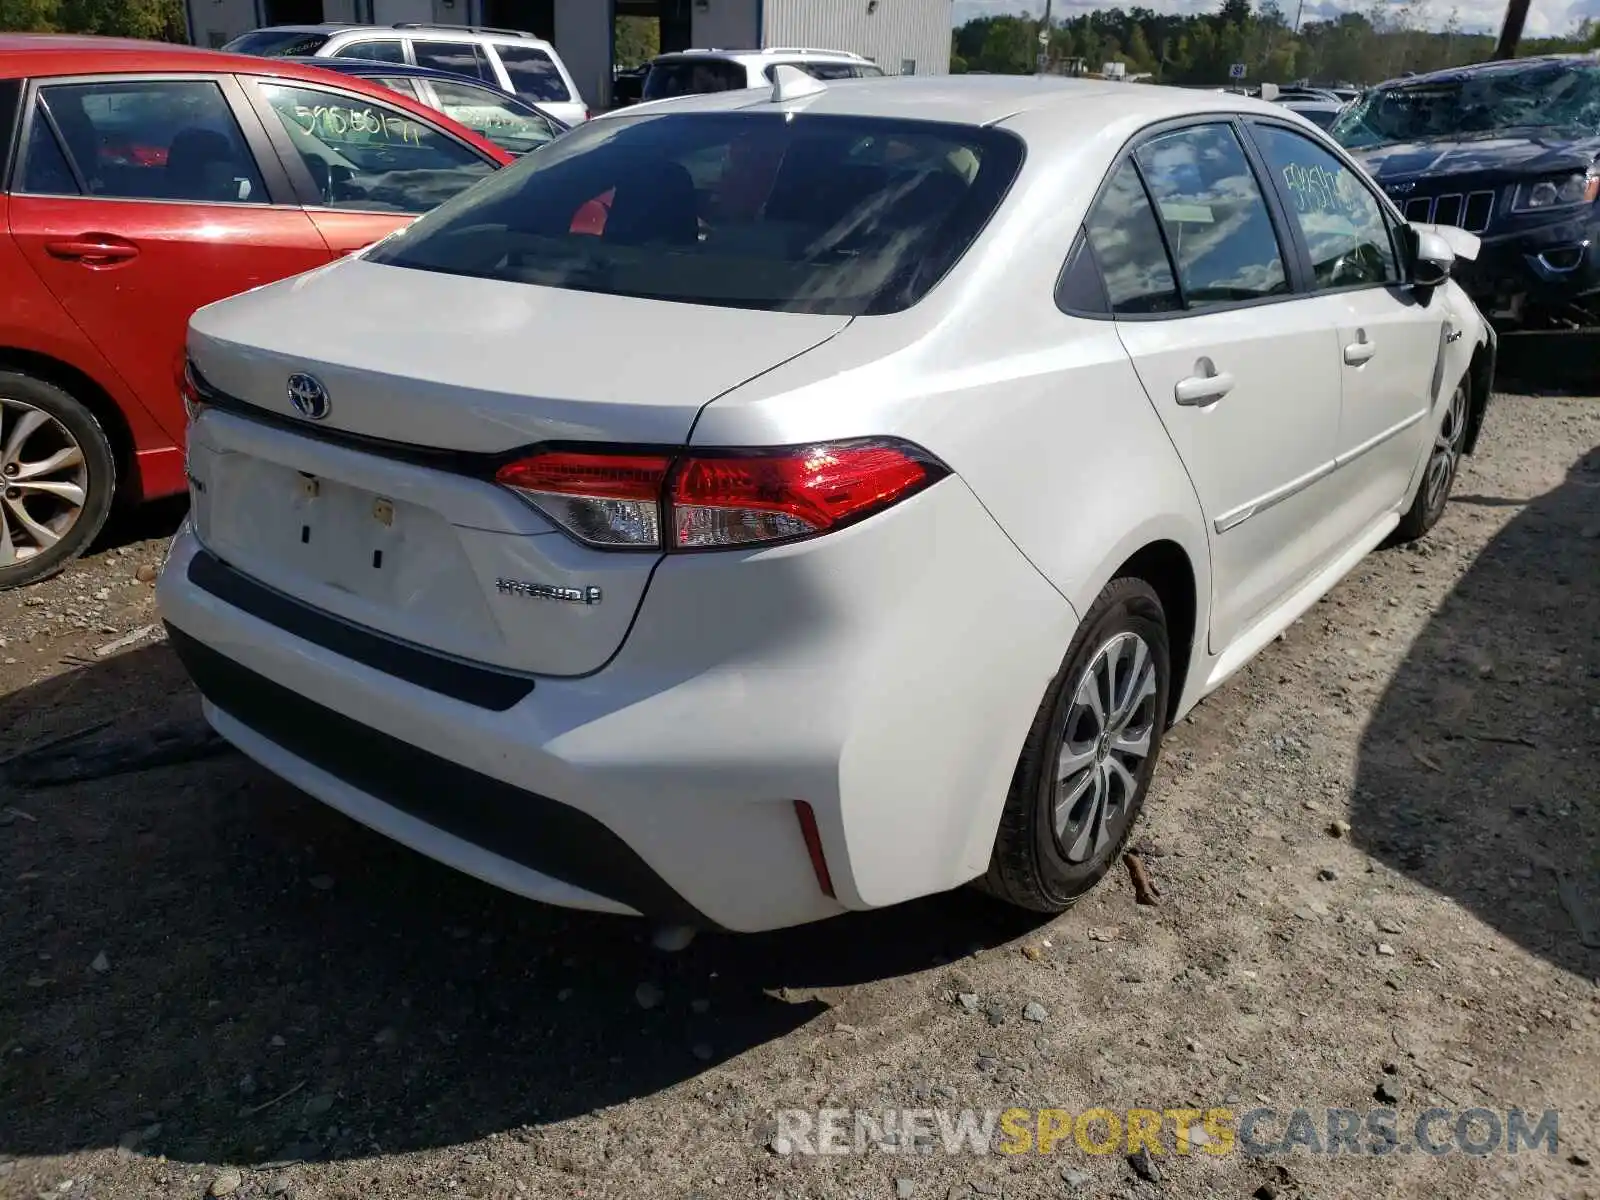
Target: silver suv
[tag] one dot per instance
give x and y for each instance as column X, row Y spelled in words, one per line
column 692, row 71
column 507, row 59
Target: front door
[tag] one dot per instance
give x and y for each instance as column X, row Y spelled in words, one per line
column 1391, row 337
column 138, row 201
column 1240, row 369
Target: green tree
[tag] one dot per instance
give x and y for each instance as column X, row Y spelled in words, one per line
column 637, row 39
column 1140, row 57
column 29, row 16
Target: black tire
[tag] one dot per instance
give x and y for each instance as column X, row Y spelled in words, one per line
column 99, row 470
column 1430, row 501
column 1030, row 867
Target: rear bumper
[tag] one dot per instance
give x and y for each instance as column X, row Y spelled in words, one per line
column 886, row 675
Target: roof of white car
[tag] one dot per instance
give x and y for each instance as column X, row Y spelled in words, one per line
column 982, row 99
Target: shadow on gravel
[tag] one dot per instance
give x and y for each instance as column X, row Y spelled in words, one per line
column 258, row 945
column 1478, row 770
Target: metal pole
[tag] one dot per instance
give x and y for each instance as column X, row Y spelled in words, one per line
column 1511, row 31
column 1043, row 60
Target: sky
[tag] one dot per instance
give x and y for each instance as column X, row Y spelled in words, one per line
column 1545, row 17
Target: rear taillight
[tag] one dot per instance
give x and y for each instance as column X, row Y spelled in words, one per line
column 718, row 499
column 189, row 388
column 609, row 500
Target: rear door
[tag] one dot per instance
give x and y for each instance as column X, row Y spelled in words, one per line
column 138, row 199
column 362, row 168
column 1241, row 368
column 1390, row 336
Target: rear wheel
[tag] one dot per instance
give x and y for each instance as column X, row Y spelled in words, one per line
column 1086, row 766
column 57, row 476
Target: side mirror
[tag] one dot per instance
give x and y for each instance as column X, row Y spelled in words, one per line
column 1430, row 257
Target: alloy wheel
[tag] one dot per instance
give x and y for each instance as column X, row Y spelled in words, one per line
column 1105, row 741
column 44, row 481
column 1446, row 451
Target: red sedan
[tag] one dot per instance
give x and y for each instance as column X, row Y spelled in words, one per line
column 139, row 182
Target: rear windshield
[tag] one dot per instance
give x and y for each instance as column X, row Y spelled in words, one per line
column 277, row 43
column 693, row 77
column 816, row 214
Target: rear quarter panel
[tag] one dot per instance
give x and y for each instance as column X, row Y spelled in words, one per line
column 1041, row 413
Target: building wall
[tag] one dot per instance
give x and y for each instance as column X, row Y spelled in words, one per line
column 727, row 24
column 890, row 32
column 583, row 39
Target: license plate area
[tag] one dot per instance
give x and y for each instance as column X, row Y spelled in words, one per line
column 347, row 538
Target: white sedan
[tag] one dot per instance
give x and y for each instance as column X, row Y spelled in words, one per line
column 764, row 505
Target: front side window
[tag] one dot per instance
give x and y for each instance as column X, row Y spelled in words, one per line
column 1127, row 246
column 172, row 140
column 370, row 157
column 459, row 58
column 1341, row 220
column 693, row 76
column 1214, row 216
column 390, row 50
column 493, row 115
column 533, row 74
column 777, row 211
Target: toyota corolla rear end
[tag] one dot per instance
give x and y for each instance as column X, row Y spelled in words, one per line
column 458, row 566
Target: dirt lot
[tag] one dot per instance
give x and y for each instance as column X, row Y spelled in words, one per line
column 208, row 980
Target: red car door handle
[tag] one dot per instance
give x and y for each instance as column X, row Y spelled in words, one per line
column 92, row 250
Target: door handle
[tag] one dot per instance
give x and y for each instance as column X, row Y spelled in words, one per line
column 1360, row 350
column 1200, row 390
column 92, row 250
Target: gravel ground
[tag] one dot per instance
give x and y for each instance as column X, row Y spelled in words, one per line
column 211, row 982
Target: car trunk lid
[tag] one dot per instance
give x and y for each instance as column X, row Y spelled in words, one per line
column 383, row 511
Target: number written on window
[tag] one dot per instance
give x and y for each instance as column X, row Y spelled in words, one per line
column 1341, row 220
column 370, row 157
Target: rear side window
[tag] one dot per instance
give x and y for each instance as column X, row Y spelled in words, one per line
column 390, row 50
column 370, row 157
column 820, row 214
column 1127, row 246
column 820, row 70
column 533, row 74
column 693, row 76
column 151, row 140
column 459, row 58
column 277, row 43
column 44, row 166
column 395, row 83
column 1214, row 215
